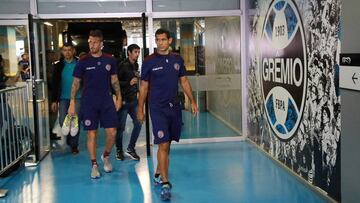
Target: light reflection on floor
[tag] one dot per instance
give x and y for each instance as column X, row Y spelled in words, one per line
column 213, row 172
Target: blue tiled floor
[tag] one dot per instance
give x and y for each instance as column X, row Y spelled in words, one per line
column 216, row 172
column 200, row 173
column 204, row 126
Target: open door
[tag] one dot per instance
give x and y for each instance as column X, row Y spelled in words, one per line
column 37, row 86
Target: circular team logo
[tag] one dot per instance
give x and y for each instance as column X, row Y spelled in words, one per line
column 176, row 66
column 283, row 67
column 108, row 67
column 87, row 122
column 160, row 134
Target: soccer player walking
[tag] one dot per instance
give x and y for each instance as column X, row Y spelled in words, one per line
column 160, row 75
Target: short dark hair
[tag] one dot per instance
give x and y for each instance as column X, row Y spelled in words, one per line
column 163, row 31
column 131, row 47
column 67, row 44
column 96, row 33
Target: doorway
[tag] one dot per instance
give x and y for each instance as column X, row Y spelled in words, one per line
column 49, row 37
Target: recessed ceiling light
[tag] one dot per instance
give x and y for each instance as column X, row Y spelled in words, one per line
column 161, row 6
column 48, row 24
column 61, row 6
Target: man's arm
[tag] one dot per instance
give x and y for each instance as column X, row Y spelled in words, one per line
column 74, row 88
column 116, row 87
column 184, row 82
column 143, row 91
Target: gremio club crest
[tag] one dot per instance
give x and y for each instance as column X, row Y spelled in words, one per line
column 283, row 68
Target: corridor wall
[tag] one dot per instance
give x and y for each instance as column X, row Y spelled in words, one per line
column 350, row 110
column 293, row 87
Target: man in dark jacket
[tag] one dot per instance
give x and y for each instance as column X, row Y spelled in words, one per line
column 128, row 76
column 60, row 98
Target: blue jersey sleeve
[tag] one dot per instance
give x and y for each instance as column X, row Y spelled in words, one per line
column 114, row 67
column 79, row 70
column 145, row 71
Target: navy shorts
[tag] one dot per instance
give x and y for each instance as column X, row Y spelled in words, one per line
column 92, row 113
column 166, row 123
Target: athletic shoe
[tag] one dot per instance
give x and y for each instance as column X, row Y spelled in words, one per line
column 157, row 180
column 120, row 155
column 95, row 172
column 65, row 129
column 74, row 126
column 74, row 150
column 132, row 154
column 165, row 193
column 107, row 164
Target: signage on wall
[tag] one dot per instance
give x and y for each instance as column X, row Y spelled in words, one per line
column 283, row 68
column 350, row 71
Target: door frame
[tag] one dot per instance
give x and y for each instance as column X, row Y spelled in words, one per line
column 41, row 138
column 114, row 16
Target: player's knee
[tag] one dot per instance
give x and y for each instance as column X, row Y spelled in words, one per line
column 164, row 147
column 111, row 132
column 91, row 136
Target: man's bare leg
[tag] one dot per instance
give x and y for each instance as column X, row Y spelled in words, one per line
column 163, row 160
column 91, row 143
column 109, row 142
column 110, row 138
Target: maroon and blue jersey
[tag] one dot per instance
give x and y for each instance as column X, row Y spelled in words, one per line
column 163, row 73
column 95, row 73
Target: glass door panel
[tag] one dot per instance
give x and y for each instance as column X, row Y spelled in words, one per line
column 39, row 86
column 210, row 47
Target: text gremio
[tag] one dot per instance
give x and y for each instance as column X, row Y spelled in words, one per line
column 282, row 70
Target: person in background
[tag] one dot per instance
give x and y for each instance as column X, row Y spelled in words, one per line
column 5, row 110
column 51, row 58
column 62, row 80
column 24, row 66
column 128, row 75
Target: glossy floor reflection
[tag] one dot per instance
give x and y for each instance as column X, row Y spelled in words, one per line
column 204, row 125
column 213, row 172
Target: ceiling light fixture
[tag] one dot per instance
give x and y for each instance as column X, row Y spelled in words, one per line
column 48, row 24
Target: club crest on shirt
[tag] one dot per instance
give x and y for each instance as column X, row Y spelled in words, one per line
column 160, row 134
column 176, row 66
column 108, row 67
column 98, row 63
column 87, row 122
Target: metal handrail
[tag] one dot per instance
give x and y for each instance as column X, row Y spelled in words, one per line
column 15, row 139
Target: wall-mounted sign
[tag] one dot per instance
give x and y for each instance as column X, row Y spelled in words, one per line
column 283, row 68
column 350, row 71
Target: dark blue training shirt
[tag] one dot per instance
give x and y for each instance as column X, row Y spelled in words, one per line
column 163, row 73
column 95, row 74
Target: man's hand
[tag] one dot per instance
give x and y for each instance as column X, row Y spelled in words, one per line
column 134, row 81
column 71, row 110
column 194, row 108
column 140, row 115
column 54, row 107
